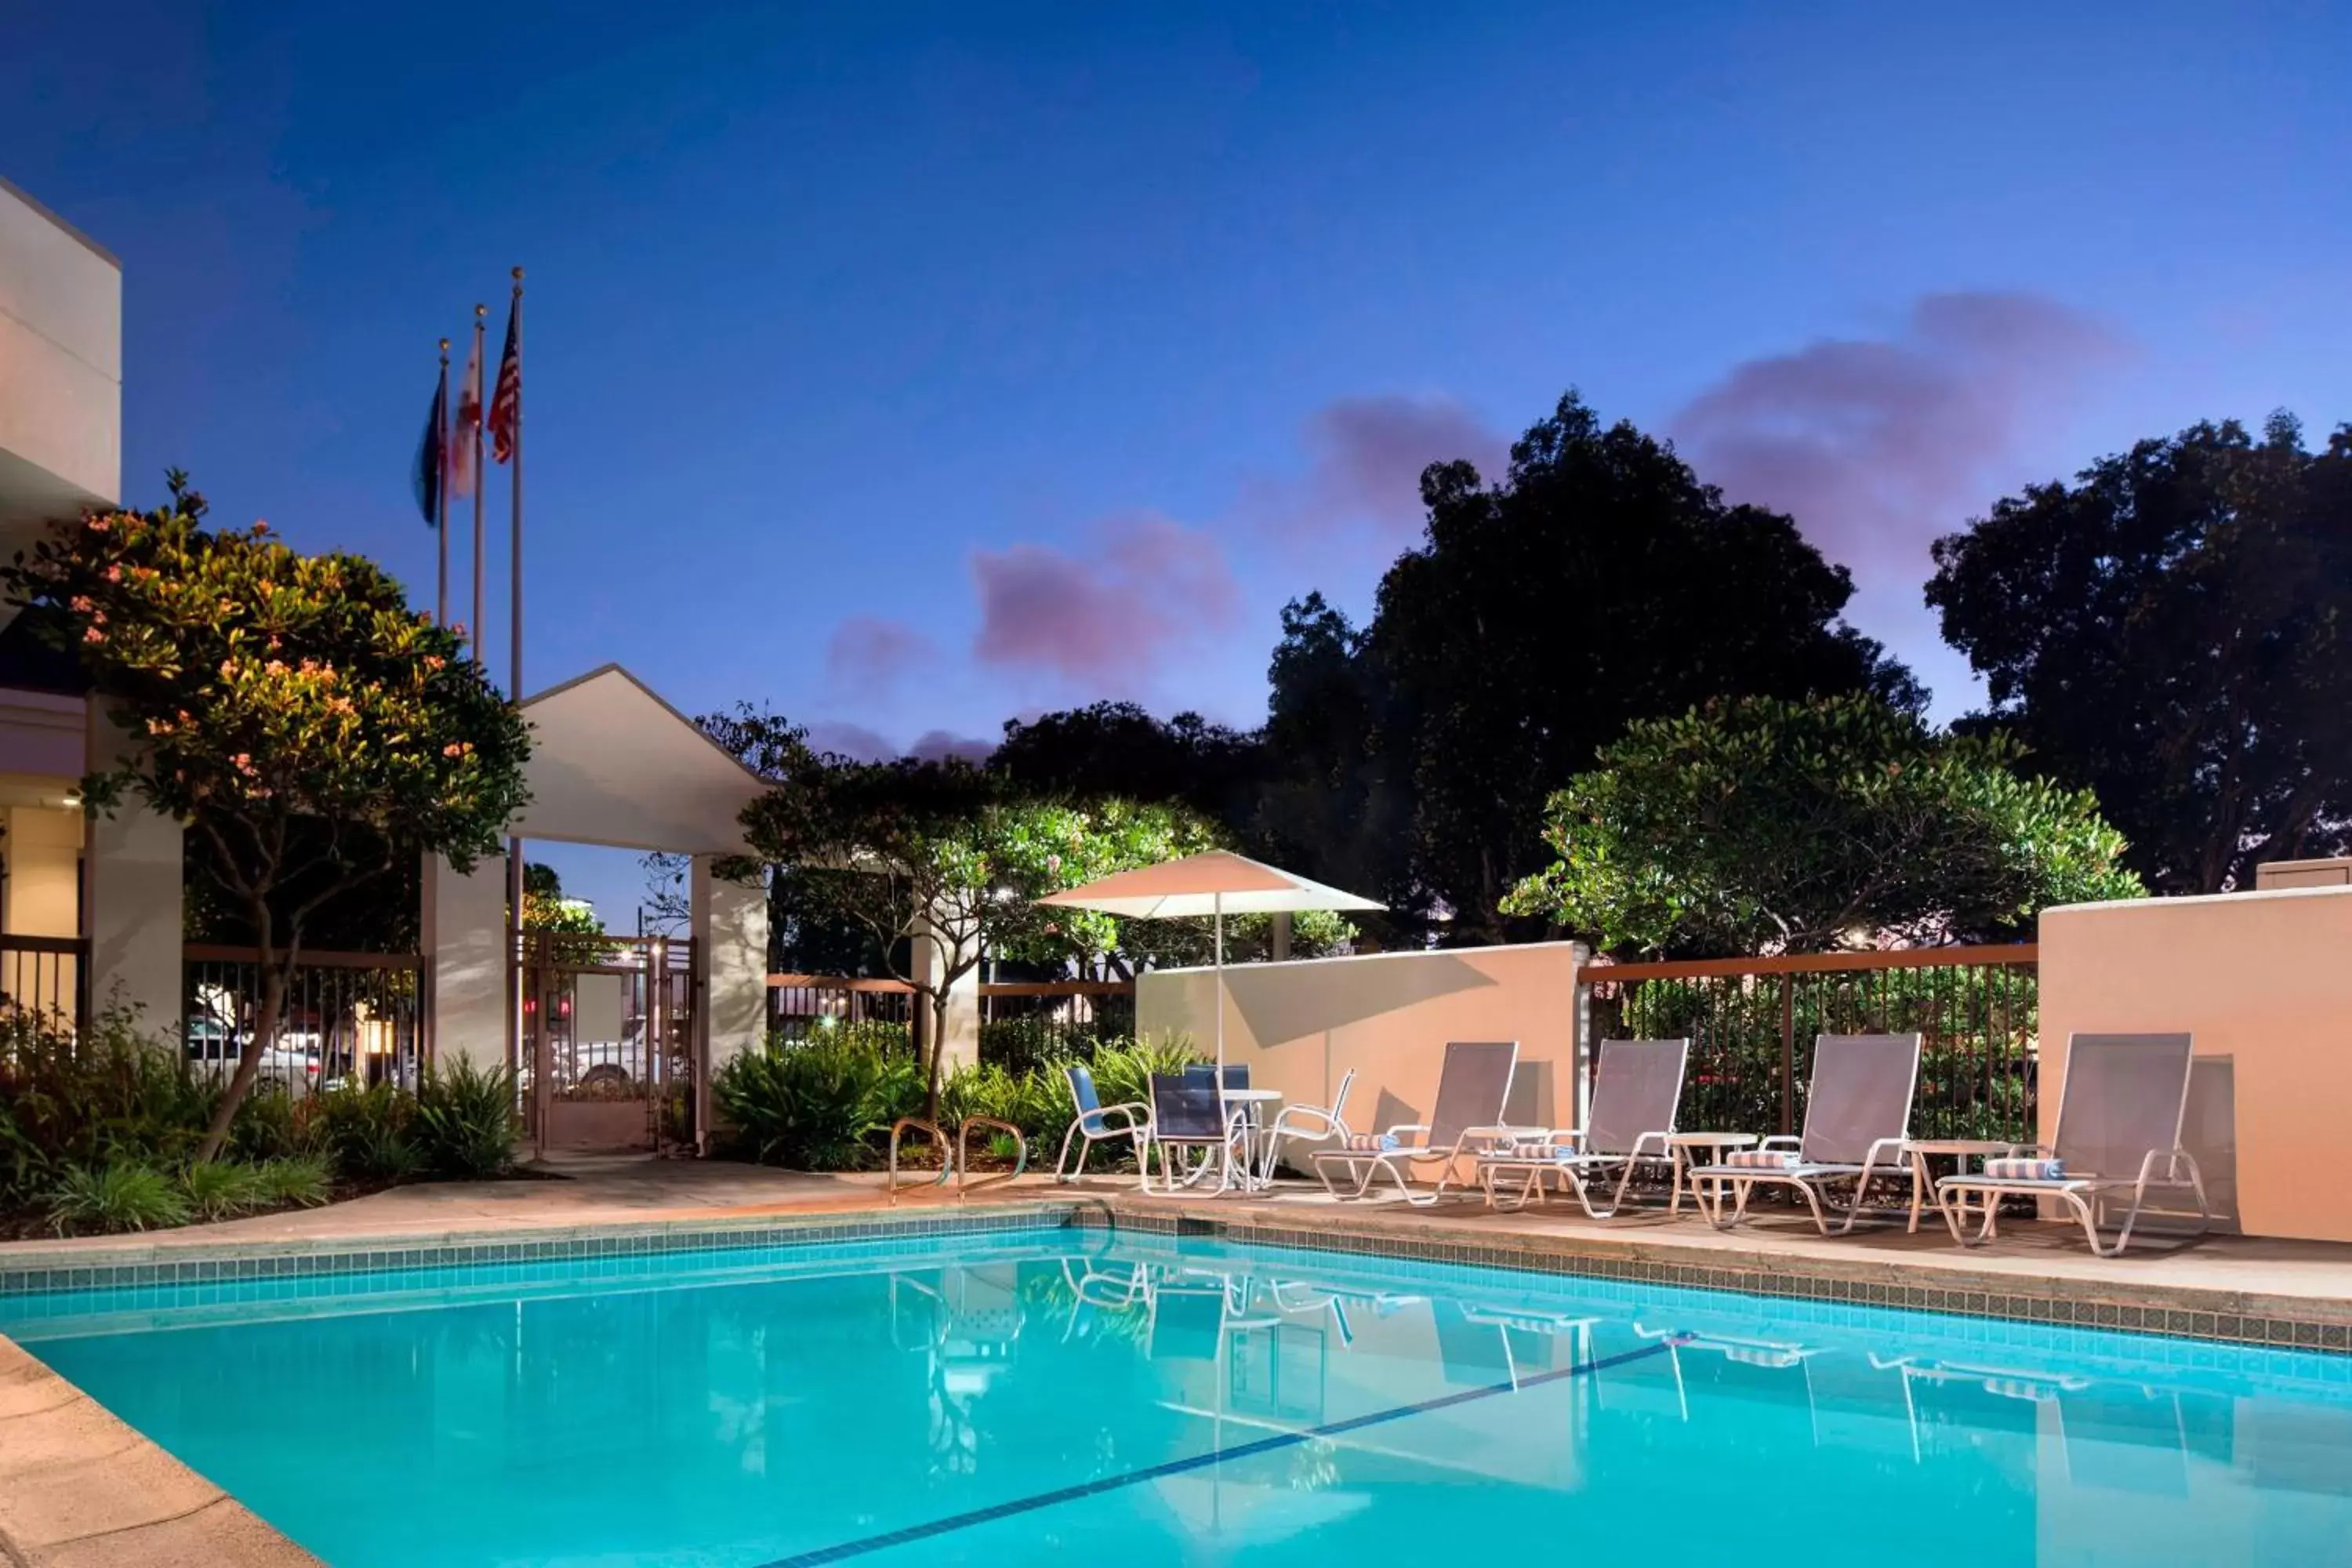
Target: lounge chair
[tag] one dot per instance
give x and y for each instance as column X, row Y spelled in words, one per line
column 1635, row 1089
column 1187, row 1120
column 1316, row 1124
column 2120, row 1109
column 1857, row 1116
column 1098, row 1122
column 1474, row 1084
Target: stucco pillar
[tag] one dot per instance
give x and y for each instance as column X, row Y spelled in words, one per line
column 730, row 947
column 962, row 1046
column 135, row 907
column 466, row 975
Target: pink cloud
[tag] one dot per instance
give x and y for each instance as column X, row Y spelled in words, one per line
column 1145, row 587
column 1877, row 445
column 866, row 656
column 1364, row 458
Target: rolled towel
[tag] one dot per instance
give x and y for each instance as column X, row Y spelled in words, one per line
column 1371, row 1143
column 1760, row 1159
column 2022, row 1168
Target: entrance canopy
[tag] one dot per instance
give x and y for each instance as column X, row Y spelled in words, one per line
column 613, row 763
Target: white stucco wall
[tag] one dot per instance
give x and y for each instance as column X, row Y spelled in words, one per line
column 135, row 898
column 464, row 931
column 60, row 365
column 731, row 934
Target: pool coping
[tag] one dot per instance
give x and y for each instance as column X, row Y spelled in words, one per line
column 66, row 1462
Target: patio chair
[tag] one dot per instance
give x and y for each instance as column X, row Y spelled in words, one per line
column 2119, row 1114
column 1857, row 1116
column 1635, row 1089
column 1098, row 1122
column 1187, row 1118
column 1474, row 1084
column 1307, row 1124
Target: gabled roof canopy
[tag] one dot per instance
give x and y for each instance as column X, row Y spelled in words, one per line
column 611, row 763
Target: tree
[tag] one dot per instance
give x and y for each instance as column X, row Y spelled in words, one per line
column 1118, row 749
column 308, row 726
column 2175, row 630
column 1759, row 825
column 1598, row 583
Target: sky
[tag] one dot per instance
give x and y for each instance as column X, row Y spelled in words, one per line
column 911, row 367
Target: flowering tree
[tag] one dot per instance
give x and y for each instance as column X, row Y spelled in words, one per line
column 290, row 709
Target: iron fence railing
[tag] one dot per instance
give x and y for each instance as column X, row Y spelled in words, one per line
column 1752, row 1021
column 1027, row 1024
column 48, row 978
column 348, row 1017
column 801, row 1006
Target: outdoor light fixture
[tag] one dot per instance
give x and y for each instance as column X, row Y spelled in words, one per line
column 73, row 800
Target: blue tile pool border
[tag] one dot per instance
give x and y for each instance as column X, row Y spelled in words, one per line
column 2183, row 1313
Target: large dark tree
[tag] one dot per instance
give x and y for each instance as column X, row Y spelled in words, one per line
column 1119, row 749
column 2174, row 630
column 1599, row 583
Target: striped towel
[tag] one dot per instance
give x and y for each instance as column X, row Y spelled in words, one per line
column 1533, row 1151
column 1371, row 1143
column 1760, row 1159
column 2022, row 1168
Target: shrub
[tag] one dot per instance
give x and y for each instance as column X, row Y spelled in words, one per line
column 114, row 1094
column 221, row 1189
column 272, row 1124
column 365, row 1132
column 464, row 1121
column 122, row 1195
column 1123, row 1068
column 815, row 1104
column 298, row 1180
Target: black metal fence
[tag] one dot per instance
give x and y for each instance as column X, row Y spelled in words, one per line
column 45, row 977
column 1023, row 1025
column 803, row 1006
column 348, row 1017
column 1752, row 1021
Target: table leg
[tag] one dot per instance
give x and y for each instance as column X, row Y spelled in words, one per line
column 1919, row 1184
column 1675, row 1205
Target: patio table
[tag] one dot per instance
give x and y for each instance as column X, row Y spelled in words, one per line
column 1679, row 1145
column 1917, row 1150
column 1242, row 1113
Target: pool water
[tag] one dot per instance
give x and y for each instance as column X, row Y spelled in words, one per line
column 1017, row 1397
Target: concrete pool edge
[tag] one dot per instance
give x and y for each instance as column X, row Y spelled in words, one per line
column 79, row 1486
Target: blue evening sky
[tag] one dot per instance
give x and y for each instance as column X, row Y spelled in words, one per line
column 914, row 366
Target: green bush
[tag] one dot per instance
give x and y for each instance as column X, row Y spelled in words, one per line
column 297, row 1181
column 222, row 1189
column 365, row 1132
column 122, row 1195
column 272, row 1124
column 816, row 1104
column 464, row 1122
column 68, row 1104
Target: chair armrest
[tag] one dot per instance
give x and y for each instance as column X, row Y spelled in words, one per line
column 1401, row 1127
column 1664, row 1148
column 1890, row 1148
column 1782, row 1141
column 1138, row 1115
column 1283, row 1123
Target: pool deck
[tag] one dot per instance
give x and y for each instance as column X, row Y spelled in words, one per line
column 77, row 1486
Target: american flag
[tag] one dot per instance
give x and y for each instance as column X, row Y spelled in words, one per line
column 506, row 403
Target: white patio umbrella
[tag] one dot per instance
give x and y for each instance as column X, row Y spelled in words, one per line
column 1216, row 884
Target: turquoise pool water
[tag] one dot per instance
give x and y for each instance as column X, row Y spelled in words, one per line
column 1020, row 1396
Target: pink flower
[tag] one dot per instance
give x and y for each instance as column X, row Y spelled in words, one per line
column 229, row 669
column 82, row 605
column 114, row 573
column 93, row 635
column 259, row 526
column 99, row 525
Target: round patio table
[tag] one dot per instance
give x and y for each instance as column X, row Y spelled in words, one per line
column 1241, row 1111
column 1680, row 1144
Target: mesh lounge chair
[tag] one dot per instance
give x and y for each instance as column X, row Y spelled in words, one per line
column 1098, row 1122
column 1635, row 1091
column 2119, row 1115
column 1187, row 1120
column 1857, row 1116
column 1473, row 1087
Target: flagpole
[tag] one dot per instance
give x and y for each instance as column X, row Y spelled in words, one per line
column 481, row 478
column 441, row 501
column 514, row 843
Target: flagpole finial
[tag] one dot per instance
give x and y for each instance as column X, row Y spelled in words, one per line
column 518, row 277
column 481, row 310
column 445, row 348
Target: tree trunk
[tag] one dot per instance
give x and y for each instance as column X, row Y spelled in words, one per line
column 266, row 1014
column 938, row 1052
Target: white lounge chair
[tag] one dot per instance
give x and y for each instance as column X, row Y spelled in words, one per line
column 1098, row 1122
column 1474, row 1084
column 1316, row 1124
column 2120, row 1108
column 1857, row 1116
column 1635, row 1089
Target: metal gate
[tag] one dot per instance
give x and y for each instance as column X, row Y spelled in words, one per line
column 607, row 1048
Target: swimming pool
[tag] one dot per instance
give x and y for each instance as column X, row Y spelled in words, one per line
column 1017, row 1396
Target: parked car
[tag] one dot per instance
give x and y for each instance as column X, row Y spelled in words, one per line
column 214, row 1045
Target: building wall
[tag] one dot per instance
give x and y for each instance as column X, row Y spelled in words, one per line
column 2262, row 983
column 1301, row 1025
column 60, row 365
